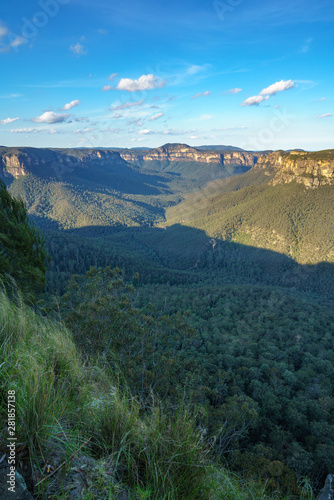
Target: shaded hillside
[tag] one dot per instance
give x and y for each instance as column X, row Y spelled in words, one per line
column 287, row 218
column 74, row 188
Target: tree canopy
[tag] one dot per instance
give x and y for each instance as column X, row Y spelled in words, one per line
column 22, row 253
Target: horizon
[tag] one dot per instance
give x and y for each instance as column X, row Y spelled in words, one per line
column 258, row 77
column 170, row 144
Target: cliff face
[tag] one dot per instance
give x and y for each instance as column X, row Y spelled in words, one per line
column 17, row 162
column 184, row 153
column 13, row 166
column 311, row 169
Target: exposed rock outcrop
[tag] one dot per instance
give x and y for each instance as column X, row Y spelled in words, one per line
column 18, row 491
column 17, row 162
column 327, row 493
column 184, row 153
column 311, row 169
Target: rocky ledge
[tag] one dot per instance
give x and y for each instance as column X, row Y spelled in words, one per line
column 185, row 153
column 311, row 169
column 17, row 162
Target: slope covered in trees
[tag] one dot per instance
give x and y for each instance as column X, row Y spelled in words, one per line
column 22, row 254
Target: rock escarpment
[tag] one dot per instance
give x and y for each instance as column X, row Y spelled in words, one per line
column 184, row 153
column 17, row 162
column 311, row 169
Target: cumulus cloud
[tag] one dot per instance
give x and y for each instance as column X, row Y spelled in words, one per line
column 51, row 117
column 8, row 120
column 78, row 49
column 144, row 82
column 156, row 117
column 71, row 105
column 207, row 92
column 127, row 105
column 277, row 87
column 232, row 91
column 269, row 91
column 145, row 131
column 325, row 115
column 255, row 100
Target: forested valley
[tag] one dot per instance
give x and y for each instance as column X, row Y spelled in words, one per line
column 210, row 292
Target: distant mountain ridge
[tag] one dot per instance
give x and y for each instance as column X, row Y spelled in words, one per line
column 219, row 148
column 185, row 153
column 16, row 162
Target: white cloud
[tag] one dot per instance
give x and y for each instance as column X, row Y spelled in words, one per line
column 325, row 115
column 10, row 96
column 320, row 100
column 156, row 117
column 127, row 105
column 112, row 76
column 78, row 49
column 34, row 131
column 84, row 131
column 19, row 40
column 205, row 117
column 194, row 69
column 135, row 121
column 232, row 91
column 71, row 105
column 307, row 45
column 255, row 100
column 50, row 117
column 24, row 131
column 8, row 120
column 105, row 88
column 277, row 87
column 144, row 82
column 268, row 91
column 14, row 43
column 117, row 116
column 207, row 92
column 3, row 31
column 145, row 131
column 102, row 31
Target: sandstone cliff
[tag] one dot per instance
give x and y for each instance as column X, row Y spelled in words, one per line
column 17, row 162
column 184, row 153
column 311, row 169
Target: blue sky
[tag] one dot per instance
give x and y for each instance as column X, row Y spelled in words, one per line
column 254, row 74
